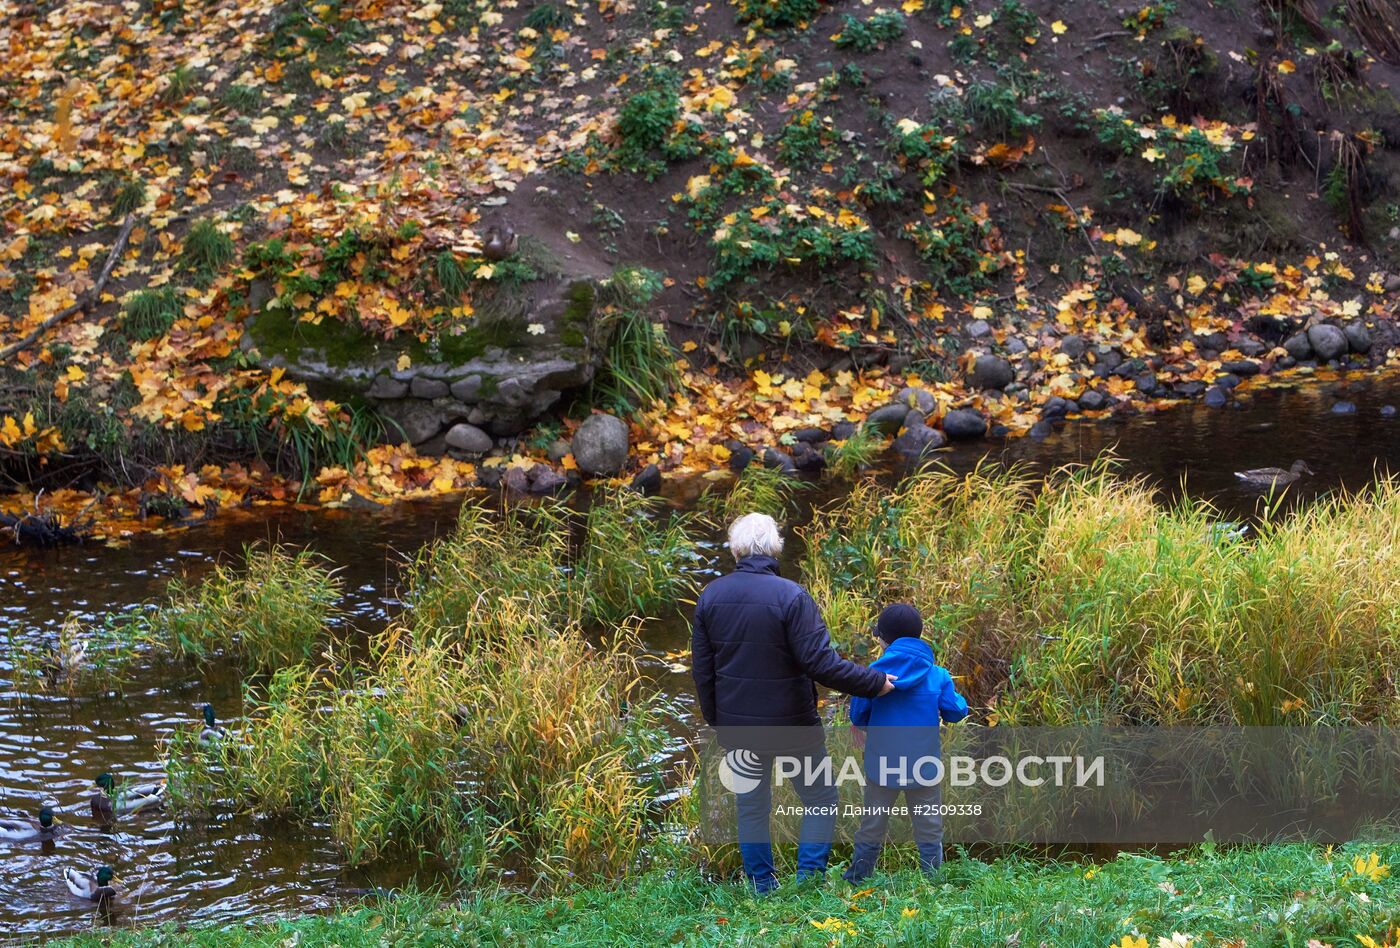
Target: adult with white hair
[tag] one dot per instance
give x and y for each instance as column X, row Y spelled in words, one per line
column 758, row 650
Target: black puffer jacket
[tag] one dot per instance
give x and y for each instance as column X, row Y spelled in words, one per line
column 758, row 644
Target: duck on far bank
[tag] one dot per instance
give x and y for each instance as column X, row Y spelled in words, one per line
column 500, row 243
column 107, row 804
column 20, row 829
column 1274, row 476
column 211, row 733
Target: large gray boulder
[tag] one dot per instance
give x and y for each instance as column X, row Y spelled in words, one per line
column 887, row 419
column 1328, row 342
column 1358, row 336
column 468, row 439
column 964, row 423
column 917, row 440
column 412, row 421
column 600, row 445
column 991, row 371
column 918, row 398
column 1298, row 347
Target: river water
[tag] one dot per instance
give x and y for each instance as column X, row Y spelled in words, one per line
column 233, row 867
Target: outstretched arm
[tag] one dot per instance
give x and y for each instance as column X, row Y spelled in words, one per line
column 810, row 643
column 952, row 707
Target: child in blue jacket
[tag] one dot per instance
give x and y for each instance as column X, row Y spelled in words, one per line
column 901, row 741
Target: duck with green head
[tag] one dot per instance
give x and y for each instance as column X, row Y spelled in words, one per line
column 212, row 732
column 22, row 829
column 107, row 803
column 100, row 886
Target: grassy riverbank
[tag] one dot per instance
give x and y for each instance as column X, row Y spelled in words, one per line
column 1275, row 895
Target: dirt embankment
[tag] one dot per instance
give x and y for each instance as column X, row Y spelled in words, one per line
column 350, row 218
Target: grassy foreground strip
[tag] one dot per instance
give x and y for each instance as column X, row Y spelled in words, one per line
column 1284, row 895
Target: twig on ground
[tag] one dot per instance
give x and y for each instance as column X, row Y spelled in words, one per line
column 83, row 305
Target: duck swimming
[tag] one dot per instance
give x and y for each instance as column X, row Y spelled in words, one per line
column 107, row 804
column 19, row 829
column 211, row 733
column 99, row 886
column 1274, row 476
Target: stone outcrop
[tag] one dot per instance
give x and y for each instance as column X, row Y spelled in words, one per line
column 497, row 373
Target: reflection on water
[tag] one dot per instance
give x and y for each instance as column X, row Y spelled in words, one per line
column 231, row 867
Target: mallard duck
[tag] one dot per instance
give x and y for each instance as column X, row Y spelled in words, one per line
column 1274, row 476
column 107, row 803
column 19, row 828
column 500, row 243
column 65, row 659
column 98, row 886
column 211, row 733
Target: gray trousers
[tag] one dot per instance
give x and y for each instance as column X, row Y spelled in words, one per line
column 923, row 806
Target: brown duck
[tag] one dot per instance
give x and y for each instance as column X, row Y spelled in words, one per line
column 1274, row 476
column 500, row 243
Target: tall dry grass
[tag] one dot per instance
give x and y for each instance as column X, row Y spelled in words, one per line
column 1085, row 599
column 488, row 726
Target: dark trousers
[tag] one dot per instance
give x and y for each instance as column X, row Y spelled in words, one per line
column 922, row 803
column 817, row 792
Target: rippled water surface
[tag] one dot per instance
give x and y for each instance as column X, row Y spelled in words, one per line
column 52, row 746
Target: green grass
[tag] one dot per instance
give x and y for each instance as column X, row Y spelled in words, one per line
column 860, row 450
column 639, row 363
column 1280, row 895
column 129, row 197
column 206, row 249
column 149, row 314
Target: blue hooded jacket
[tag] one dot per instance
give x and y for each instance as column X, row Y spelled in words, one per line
column 902, row 726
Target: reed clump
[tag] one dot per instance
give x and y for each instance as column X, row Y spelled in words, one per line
column 270, row 610
column 757, row 489
column 633, row 558
column 532, row 750
column 490, row 566
column 1084, row 599
column 637, row 559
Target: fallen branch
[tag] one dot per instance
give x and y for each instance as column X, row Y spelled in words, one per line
column 84, row 304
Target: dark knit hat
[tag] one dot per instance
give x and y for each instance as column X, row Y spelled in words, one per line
column 899, row 621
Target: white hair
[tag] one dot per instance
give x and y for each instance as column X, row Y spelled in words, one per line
column 755, row 534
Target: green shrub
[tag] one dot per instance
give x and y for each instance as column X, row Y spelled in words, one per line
column 996, row 108
column 649, row 127
column 803, row 139
column 777, row 13
column 778, row 233
column 959, row 244
column 881, row 28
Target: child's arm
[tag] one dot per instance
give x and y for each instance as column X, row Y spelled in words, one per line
column 860, row 711
column 952, row 707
